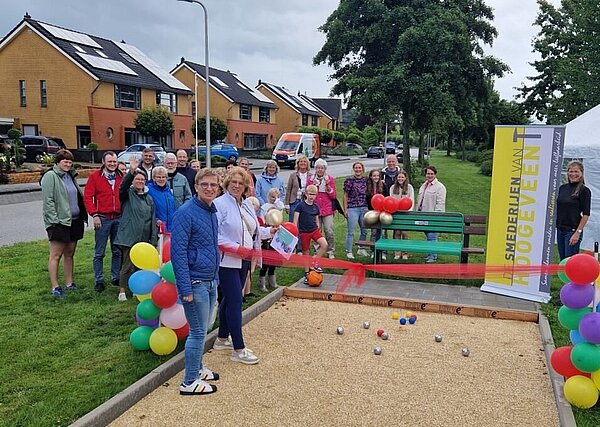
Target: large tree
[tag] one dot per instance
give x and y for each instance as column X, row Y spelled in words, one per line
column 567, row 82
column 417, row 58
column 155, row 122
column 218, row 129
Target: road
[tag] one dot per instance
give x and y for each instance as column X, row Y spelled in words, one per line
column 22, row 213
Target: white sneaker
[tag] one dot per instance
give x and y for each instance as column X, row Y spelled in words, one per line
column 397, row 257
column 362, row 252
column 245, row 356
column 222, row 345
column 331, row 255
column 208, row 375
column 349, row 255
column 383, row 256
column 122, row 297
column 197, row 387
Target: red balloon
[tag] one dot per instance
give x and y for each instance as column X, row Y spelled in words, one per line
column 582, row 269
column 377, row 202
column 182, row 332
column 390, row 204
column 560, row 359
column 405, row 203
column 289, row 226
column 166, row 251
column 164, row 295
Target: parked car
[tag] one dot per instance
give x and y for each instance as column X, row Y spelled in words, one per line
column 5, row 144
column 36, row 146
column 229, row 151
column 400, row 157
column 390, row 148
column 136, row 149
column 375, row 152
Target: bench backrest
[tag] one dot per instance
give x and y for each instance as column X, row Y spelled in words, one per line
column 437, row 222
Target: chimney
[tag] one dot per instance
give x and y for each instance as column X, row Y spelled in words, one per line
column 27, row 15
column 182, row 60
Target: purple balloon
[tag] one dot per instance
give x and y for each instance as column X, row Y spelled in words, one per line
column 576, row 296
column 589, row 328
column 141, row 322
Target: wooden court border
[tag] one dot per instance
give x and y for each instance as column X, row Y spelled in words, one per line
column 415, row 305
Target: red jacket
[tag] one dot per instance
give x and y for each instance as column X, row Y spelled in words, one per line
column 99, row 197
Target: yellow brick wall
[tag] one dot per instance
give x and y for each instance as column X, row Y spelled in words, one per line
column 220, row 106
column 29, row 57
column 288, row 120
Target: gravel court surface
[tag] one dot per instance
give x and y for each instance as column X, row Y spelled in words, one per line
column 309, row 374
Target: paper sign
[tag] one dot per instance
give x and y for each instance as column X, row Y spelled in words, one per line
column 284, row 242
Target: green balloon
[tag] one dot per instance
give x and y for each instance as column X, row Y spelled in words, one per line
column 586, row 357
column 147, row 310
column 570, row 318
column 561, row 273
column 140, row 338
column 166, row 272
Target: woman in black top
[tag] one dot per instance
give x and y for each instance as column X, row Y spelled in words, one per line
column 572, row 210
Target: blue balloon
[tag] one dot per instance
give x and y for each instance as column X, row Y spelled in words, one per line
column 141, row 282
column 575, row 337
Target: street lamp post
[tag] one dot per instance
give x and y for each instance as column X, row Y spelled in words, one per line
column 206, row 78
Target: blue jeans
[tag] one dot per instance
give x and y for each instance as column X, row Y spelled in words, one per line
column 432, row 237
column 355, row 217
column 107, row 230
column 197, row 313
column 231, row 283
column 564, row 249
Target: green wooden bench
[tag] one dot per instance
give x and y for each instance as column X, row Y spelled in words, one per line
column 430, row 222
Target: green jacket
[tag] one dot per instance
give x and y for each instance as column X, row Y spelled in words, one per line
column 55, row 201
column 138, row 222
column 181, row 188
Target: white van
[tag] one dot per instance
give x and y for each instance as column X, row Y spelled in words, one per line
column 291, row 145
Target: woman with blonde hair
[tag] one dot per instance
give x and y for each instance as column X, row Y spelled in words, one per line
column 267, row 180
column 573, row 206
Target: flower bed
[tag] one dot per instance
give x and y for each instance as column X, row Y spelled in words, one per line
column 29, row 177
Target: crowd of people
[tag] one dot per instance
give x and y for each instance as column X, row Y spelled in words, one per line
column 219, row 219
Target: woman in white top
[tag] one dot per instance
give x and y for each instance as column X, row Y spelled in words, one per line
column 239, row 231
column 432, row 198
column 402, row 188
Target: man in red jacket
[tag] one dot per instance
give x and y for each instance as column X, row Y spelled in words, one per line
column 101, row 197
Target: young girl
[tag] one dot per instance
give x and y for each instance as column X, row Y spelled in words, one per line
column 269, row 270
column 273, row 202
column 402, row 188
column 374, row 186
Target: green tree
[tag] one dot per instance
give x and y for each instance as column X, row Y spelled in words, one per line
column 218, row 129
column 393, row 57
column 568, row 74
column 154, row 121
column 18, row 151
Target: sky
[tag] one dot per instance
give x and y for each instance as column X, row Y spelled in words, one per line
column 272, row 40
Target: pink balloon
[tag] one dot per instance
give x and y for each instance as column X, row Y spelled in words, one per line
column 173, row 317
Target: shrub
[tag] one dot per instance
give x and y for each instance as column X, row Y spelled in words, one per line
column 47, row 159
column 486, row 168
column 339, row 137
column 354, row 138
column 473, row 156
column 4, row 168
column 485, row 155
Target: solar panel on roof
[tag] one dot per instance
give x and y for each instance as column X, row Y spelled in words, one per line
column 258, row 95
column 71, row 36
column 219, row 81
column 152, row 66
column 106, row 64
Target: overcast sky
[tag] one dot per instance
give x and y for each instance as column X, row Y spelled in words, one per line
column 272, row 40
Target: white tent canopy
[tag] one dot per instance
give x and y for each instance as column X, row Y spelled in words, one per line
column 582, row 142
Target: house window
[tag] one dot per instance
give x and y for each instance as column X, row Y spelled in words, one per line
column 194, row 108
column 22, row 93
column 132, row 136
column 245, row 112
column 264, row 114
column 314, row 120
column 84, row 136
column 43, row 95
column 304, row 119
column 167, row 100
column 127, row 97
column 254, row 141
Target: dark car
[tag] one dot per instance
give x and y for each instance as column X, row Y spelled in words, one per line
column 36, row 146
column 375, row 152
column 390, row 148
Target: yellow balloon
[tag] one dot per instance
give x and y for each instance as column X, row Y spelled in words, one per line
column 141, row 298
column 163, row 341
column 581, row 392
column 596, row 378
column 144, row 256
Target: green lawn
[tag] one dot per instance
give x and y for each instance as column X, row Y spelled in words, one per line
column 60, row 359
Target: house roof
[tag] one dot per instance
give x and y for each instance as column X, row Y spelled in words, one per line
column 332, row 106
column 229, row 85
column 103, row 59
column 295, row 102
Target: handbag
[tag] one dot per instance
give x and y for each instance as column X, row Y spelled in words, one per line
column 337, row 206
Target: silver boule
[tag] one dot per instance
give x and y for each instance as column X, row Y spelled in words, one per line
column 366, row 325
column 377, row 351
column 340, row 330
column 438, row 338
column 465, row 352
column 385, row 336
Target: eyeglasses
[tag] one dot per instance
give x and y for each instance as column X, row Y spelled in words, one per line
column 206, row 185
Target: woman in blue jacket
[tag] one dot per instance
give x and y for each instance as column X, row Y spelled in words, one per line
column 267, row 180
column 163, row 198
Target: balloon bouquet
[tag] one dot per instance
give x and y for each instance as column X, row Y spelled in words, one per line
column 159, row 314
column 384, row 208
column 580, row 314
